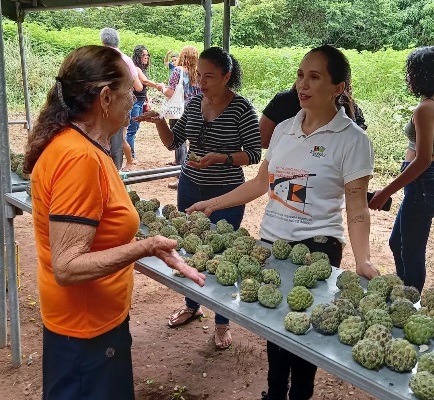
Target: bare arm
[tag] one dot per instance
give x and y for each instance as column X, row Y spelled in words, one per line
column 239, row 158
column 358, row 221
column 266, row 127
column 168, row 92
column 424, row 124
column 73, row 263
column 166, row 58
column 163, row 129
column 145, row 81
column 243, row 194
column 137, row 85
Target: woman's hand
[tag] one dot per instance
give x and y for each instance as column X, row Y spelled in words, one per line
column 379, row 200
column 160, row 86
column 149, row 116
column 208, row 160
column 207, row 207
column 367, row 270
column 164, row 249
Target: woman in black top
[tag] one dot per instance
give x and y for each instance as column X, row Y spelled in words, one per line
column 222, row 128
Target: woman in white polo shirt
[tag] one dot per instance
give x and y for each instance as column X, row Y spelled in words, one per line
column 316, row 163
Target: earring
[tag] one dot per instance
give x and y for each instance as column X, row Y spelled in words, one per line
column 105, row 114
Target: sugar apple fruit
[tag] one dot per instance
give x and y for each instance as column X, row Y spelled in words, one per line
column 427, row 298
column 155, row 226
column 148, row 217
column 422, row 385
column 176, row 214
column 425, row 311
column 392, row 280
column 168, row 230
column 202, row 224
column 405, row 292
column 198, row 260
column 155, row 203
column 379, row 333
column 369, row 353
column 353, row 292
column 249, row 267
column 261, row 253
column 191, row 242
column 346, row 278
column 269, row 296
column 325, row 318
column 226, row 273
column 297, row 323
column 310, row 258
column 224, row 226
column 244, row 244
column 216, row 242
column 133, row 196
column 304, row 276
column 271, row 276
column 167, row 209
column 426, row 363
column 192, row 156
column 232, row 255
column 196, row 215
column 211, row 265
column 351, row 330
column 249, row 290
column 281, row 249
column 206, row 248
column 419, row 329
column 298, row 253
column 299, row 298
column 400, row 311
column 372, row 302
column 377, row 316
column 400, row 355
column 346, row 308
column 241, row 231
column 322, row 269
column 229, row 239
column 379, row 286
column 178, row 241
column 143, row 205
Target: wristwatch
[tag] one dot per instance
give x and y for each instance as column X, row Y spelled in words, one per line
column 229, row 160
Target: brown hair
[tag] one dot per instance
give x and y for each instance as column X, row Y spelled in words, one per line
column 188, row 59
column 82, row 76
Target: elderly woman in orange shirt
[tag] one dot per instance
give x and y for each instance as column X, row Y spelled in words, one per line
column 85, row 226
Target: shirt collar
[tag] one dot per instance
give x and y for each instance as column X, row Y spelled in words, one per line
column 339, row 122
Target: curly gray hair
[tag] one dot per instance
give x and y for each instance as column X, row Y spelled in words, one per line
column 109, row 37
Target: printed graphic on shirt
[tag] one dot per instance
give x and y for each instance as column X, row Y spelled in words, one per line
column 318, row 151
column 290, row 187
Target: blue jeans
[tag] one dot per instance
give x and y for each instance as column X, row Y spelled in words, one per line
column 190, row 193
column 412, row 227
column 133, row 127
column 88, row 369
column 116, row 150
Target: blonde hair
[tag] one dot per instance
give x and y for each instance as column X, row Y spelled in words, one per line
column 188, row 59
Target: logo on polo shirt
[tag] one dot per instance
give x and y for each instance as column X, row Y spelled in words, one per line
column 318, row 151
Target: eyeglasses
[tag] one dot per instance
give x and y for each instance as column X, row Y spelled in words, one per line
column 206, row 127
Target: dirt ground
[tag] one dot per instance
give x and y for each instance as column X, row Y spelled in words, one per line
column 176, row 363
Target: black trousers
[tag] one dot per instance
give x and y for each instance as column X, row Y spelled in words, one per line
column 281, row 363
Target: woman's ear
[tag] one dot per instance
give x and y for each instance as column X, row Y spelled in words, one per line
column 340, row 89
column 105, row 97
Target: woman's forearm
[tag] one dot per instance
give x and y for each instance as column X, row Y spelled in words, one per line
column 166, row 135
column 359, row 222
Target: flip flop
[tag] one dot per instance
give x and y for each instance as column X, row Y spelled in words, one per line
column 219, row 335
column 195, row 313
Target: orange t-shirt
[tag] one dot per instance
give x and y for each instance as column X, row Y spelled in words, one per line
column 75, row 180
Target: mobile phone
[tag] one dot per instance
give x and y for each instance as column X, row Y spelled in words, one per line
column 386, row 206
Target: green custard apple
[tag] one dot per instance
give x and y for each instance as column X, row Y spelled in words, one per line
column 299, row 298
column 270, row 275
column 325, row 318
column 298, row 253
column 401, row 355
column 249, row 290
column 281, row 249
column 351, row 330
column 422, row 384
column 297, row 323
column 226, row 273
column 419, row 329
column 304, row 276
column 379, row 333
column 269, row 296
column 369, row 353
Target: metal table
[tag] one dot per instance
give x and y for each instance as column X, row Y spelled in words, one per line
column 18, row 184
column 324, row 351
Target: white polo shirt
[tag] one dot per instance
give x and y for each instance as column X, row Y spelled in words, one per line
column 307, row 175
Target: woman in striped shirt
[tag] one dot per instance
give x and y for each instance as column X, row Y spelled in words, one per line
column 222, row 128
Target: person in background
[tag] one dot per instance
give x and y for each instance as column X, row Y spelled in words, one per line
column 316, row 162
column 141, row 59
column 173, row 60
column 187, row 62
column 222, row 128
column 85, row 226
column 412, row 227
column 118, row 144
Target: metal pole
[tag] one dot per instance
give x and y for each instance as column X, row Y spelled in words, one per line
column 207, row 5
column 227, row 25
column 24, row 71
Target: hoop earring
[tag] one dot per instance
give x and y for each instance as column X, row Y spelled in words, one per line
column 105, row 114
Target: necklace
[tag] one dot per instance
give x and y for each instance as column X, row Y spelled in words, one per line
column 82, row 130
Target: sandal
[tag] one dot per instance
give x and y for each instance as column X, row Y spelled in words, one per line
column 182, row 317
column 222, row 334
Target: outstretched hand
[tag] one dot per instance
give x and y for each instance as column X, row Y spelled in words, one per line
column 204, row 206
column 208, row 160
column 164, row 249
column 149, row 116
column 367, row 270
column 379, row 200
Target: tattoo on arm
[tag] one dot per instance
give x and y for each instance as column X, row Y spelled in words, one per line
column 355, row 190
column 357, row 219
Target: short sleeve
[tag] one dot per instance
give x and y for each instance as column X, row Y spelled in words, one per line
column 358, row 160
column 174, row 78
column 77, row 194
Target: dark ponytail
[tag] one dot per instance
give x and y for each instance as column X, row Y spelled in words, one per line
column 227, row 63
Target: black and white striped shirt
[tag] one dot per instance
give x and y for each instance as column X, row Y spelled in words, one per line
column 235, row 129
